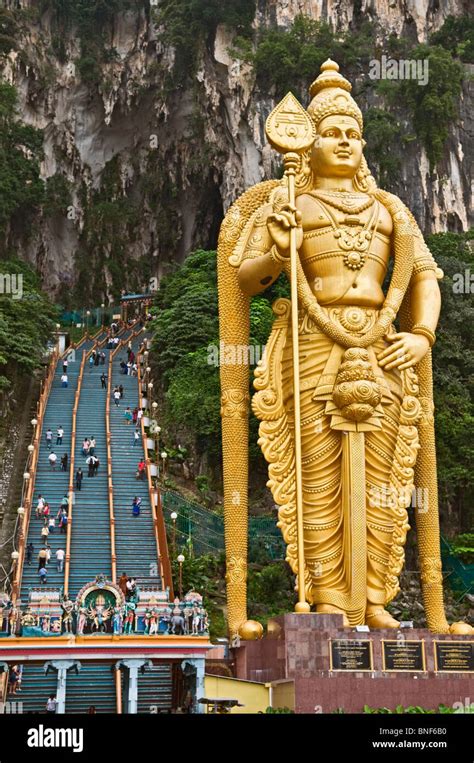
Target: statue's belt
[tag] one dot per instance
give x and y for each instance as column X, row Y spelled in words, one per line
column 352, row 318
column 359, row 320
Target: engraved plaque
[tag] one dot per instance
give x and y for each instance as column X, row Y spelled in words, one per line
column 403, row 655
column 454, row 656
column 351, row 654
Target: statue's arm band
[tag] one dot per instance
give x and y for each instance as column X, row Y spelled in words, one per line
column 425, row 264
column 277, row 258
column 425, row 331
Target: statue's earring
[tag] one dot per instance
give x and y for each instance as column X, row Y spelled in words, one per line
column 363, row 179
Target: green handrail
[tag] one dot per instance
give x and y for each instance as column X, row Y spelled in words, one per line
column 461, row 576
column 201, row 530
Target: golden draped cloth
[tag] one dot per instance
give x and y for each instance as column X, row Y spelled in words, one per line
column 358, row 477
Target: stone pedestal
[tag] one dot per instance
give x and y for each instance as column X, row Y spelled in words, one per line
column 298, row 647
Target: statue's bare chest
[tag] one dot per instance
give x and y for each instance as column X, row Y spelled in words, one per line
column 344, row 233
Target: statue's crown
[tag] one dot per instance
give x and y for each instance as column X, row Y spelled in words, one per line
column 330, row 94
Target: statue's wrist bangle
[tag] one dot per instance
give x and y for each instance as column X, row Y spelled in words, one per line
column 426, row 332
column 276, row 257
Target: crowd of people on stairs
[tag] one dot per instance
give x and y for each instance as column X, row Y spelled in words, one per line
column 49, row 523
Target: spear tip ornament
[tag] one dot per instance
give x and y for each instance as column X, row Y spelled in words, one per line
column 289, row 127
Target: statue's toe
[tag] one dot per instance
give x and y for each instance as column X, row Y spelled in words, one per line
column 380, row 618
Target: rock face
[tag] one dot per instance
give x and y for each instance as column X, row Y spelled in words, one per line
column 180, row 155
column 416, row 18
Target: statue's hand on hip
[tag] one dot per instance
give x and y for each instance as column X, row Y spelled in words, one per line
column 279, row 224
column 405, row 351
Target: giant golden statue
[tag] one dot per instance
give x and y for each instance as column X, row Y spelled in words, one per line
column 344, row 398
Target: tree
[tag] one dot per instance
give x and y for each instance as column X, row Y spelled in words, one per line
column 21, row 189
column 26, row 323
column 453, row 370
column 434, row 106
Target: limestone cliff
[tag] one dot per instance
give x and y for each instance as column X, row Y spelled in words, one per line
column 149, row 161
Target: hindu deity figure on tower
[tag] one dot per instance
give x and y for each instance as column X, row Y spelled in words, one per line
column 344, row 392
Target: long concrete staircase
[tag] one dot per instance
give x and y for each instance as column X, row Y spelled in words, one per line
column 90, row 543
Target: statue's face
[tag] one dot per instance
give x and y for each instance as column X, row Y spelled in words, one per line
column 337, row 150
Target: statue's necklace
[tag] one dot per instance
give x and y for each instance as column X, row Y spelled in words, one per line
column 344, row 201
column 352, row 237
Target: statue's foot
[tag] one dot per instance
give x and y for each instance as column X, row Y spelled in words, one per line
column 378, row 617
column 329, row 609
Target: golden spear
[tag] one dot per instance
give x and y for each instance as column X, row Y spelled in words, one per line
column 290, row 131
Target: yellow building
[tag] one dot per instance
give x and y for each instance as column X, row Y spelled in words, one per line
column 253, row 697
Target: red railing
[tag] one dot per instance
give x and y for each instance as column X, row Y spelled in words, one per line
column 156, row 506
column 23, row 523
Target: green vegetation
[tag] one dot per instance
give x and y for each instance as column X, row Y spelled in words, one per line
column 187, row 25
column 75, row 333
column 196, row 405
column 26, row 323
column 270, row 590
column 110, row 223
column 92, row 20
column 434, row 106
column 457, row 36
column 186, row 323
column 57, row 196
column 463, row 547
column 289, row 59
column 382, row 129
column 416, row 709
column 206, row 575
column 186, row 311
column 21, row 189
column 8, row 30
column 453, row 369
